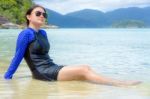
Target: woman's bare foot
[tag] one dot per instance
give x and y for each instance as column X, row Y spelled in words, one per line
column 129, row 83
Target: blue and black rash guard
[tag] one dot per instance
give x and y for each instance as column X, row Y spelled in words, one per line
column 34, row 47
column 24, row 38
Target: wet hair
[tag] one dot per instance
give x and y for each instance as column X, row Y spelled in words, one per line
column 29, row 11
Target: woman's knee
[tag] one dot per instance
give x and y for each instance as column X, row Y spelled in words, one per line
column 85, row 69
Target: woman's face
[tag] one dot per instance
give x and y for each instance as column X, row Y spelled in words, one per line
column 36, row 17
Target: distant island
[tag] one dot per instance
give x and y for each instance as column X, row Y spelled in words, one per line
column 12, row 16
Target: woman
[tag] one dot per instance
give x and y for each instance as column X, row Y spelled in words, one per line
column 33, row 46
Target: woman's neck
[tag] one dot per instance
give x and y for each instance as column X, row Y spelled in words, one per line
column 36, row 28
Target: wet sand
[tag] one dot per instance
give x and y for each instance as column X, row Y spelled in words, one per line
column 23, row 86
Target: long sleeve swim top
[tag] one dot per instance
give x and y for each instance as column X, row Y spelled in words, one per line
column 24, row 39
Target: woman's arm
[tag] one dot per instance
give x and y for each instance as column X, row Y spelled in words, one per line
column 22, row 43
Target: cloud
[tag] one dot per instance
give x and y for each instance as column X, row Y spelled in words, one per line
column 65, row 6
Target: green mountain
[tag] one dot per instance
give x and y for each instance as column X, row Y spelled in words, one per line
column 67, row 21
column 87, row 18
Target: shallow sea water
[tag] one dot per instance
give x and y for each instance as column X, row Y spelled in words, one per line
column 117, row 53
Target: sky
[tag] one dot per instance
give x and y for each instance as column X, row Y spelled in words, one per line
column 66, row 6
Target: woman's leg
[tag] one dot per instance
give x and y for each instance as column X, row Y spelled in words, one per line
column 84, row 72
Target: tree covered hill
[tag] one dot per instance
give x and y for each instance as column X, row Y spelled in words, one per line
column 88, row 18
column 14, row 10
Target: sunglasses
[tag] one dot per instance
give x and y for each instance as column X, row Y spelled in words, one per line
column 38, row 13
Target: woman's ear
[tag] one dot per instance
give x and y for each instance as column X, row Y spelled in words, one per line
column 28, row 17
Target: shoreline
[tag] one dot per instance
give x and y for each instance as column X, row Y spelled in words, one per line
column 16, row 26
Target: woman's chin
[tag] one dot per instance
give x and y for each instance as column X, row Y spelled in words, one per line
column 40, row 23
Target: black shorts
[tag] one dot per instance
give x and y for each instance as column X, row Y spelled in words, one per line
column 48, row 73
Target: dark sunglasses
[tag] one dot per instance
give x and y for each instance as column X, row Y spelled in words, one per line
column 38, row 13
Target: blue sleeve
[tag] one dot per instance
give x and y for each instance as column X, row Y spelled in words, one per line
column 22, row 43
column 43, row 33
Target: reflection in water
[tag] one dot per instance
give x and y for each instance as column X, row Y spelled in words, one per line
column 28, row 88
column 74, row 88
column 23, row 86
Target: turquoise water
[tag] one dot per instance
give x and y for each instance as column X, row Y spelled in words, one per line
column 117, row 53
column 120, row 53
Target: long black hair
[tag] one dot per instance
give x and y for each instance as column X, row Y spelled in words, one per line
column 29, row 11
